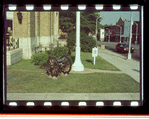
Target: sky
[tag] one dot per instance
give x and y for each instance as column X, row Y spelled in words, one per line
column 110, row 17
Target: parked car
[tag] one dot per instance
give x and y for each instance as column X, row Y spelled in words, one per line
column 124, row 47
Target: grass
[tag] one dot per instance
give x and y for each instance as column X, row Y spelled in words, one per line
column 35, row 82
column 88, row 62
column 86, row 59
column 32, row 81
column 24, row 64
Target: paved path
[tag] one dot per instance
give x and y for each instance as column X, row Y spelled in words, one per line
column 112, row 47
column 73, row 96
column 128, row 66
column 88, row 70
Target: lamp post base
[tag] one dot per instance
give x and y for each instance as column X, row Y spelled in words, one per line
column 129, row 55
column 77, row 66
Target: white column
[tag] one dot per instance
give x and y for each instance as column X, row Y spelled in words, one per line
column 77, row 66
column 130, row 36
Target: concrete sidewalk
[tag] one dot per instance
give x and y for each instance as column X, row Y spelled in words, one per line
column 127, row 66
column 73, row 96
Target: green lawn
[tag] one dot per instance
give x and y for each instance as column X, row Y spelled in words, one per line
column 35, row 82
column 24, row 64
column 86, row 59
column 25, row 77
column 88, row 62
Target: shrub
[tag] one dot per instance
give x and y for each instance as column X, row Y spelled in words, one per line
column 71, row 41
column 86, row 42
column 39, row 58
column 59, row 52
column 49, row 52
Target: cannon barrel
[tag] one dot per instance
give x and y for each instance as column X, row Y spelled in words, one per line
column 60, row 60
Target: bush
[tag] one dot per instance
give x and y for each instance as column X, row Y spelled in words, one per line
column 71, row 41
column 39, row 58
column 59, row 52
column 86, row 42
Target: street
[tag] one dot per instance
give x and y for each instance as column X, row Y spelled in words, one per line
column 111, row 46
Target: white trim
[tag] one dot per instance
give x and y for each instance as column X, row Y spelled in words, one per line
column 99, row 104
column 98, row 7
column 142, row 53
column 134, row 103
column 81, row 7
column 117, row 103
column 12, row 104
column 12, row 7
column 82, row 103
column 64, row 7
column 30, row 104
column 116, row 7
column 29, row 7
column 134, row 7
column 46, row 7
column 47, row 104
column 65, row 104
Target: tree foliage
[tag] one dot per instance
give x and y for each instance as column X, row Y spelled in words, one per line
column 67, row 21
column 87, row 21
column 86, row 42
column 102, row 26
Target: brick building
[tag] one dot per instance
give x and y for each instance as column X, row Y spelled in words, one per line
column 114, row 31
column 35, row 30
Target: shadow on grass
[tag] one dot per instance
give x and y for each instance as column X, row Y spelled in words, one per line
column 136, row 70
column 89, row 61
column 73, row 58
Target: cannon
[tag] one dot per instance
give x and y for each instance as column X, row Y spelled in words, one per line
column 55, row 67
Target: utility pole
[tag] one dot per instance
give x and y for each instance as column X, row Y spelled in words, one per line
column 96, row 26
column 77, row 66
column 130, row 36
column 109, row 34
column 136, row 32
column 120, row 32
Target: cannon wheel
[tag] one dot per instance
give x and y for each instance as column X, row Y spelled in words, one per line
column 66, row 65
column 52, row 67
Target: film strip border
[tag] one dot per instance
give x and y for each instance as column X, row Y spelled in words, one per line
column 74, row 103
column 96, row 7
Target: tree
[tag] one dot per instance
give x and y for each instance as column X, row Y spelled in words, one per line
column 87, row 21
column 102, row 26
column 67, row 21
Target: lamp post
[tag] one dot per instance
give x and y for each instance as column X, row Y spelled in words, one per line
column 96, row 27
column 20, row 17
column 136, row 32
column 130, row 36
column 120, row 32
column 109, row 34
column 77, row 65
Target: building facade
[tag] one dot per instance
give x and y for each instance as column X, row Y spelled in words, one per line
column 35, row 30
column 113, row 32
